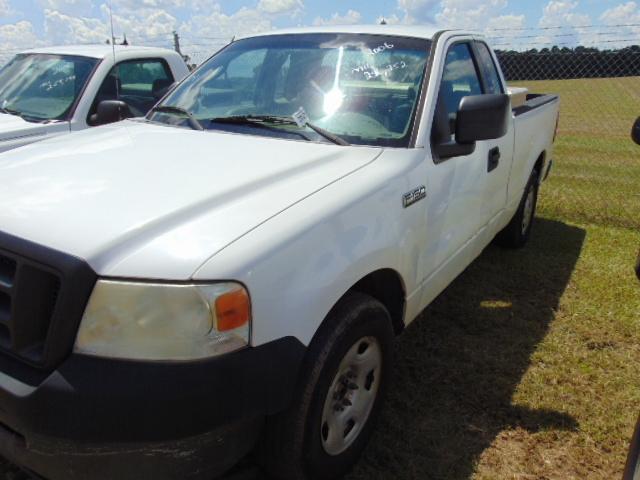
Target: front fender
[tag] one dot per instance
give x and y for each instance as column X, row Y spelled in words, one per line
column 300, row 263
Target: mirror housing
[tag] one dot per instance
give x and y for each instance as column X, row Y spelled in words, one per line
column 635, row 131
column 110, row 111
column 482, row 117
column 479, row 117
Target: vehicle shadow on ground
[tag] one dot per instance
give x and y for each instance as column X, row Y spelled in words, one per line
column 458, row 366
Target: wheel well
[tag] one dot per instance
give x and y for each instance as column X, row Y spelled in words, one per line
column 387, row 287
column 539, row 165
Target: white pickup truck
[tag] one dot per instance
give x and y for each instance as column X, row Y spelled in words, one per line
column 55, row 90
column 228, row 273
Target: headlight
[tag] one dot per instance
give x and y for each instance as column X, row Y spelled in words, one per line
column 154, row 321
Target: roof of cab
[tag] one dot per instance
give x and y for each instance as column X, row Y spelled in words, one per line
column 416, row 31
column 100, row 51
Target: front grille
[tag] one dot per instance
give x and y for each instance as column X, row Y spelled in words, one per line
column 43, row 293
column 28, row 297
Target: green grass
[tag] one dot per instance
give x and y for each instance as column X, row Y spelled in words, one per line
column 596, row 177
column 526, row 367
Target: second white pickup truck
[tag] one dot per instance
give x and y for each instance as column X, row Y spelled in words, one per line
column 229, row 272
column 50, row 91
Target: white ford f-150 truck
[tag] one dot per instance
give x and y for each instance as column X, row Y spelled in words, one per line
column 55, row 90
column 228, row 273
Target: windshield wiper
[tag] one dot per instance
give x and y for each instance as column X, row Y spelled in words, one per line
column 10, row 111
column 24, row 116
column 193, row 121
column 259, row 119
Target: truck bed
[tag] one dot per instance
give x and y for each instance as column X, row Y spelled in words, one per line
column 533, row 101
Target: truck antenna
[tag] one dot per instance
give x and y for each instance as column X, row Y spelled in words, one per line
column 113, row 49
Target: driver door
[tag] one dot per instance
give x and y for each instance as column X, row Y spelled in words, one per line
column 456, row 184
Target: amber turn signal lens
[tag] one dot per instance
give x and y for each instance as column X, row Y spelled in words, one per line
column 232, row 310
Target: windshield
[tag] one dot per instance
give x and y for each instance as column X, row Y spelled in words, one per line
column 361, row 88
column 43, row 87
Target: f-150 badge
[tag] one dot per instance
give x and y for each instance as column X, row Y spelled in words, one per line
column 413, row 196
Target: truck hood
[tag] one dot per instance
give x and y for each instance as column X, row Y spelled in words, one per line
column 12, row 126
column 150, row 201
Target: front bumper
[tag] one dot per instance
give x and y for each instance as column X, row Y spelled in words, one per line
column 103, row 419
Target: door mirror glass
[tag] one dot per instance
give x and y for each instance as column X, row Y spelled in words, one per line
column 482, row 117
column 110, row 111
column 635, row 131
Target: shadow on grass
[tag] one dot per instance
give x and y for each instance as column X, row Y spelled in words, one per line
column 458, row 366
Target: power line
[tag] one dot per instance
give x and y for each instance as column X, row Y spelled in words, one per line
column 564, row 26
column 560, row 35
column 575, row 44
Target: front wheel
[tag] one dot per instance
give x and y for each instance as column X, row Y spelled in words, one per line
column 517, row 232
column 340, row 393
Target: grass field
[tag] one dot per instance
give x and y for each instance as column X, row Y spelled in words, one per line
column 527, row 366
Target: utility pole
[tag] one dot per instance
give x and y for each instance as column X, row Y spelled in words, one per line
column 176, row 42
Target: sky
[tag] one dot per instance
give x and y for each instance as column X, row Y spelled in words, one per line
column 205, row 25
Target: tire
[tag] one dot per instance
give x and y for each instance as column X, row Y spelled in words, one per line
column 517, row 232
column 299, row 444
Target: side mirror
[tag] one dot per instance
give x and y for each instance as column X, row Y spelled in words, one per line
column 110, row 111
column 482, row 117
column 635, row 131
column 479, row 117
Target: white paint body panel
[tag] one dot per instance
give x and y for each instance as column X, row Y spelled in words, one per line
column 16, row 132
column 298, row 223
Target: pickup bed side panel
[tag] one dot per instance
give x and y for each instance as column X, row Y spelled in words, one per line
column 534, row 130
column 298, row 265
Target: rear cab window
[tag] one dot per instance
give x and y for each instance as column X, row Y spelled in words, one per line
column 488, row 69
column 139, row 83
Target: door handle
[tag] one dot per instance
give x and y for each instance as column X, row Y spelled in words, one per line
column 494, row 159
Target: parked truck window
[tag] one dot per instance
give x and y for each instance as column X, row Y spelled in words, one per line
column 459, row 79
column 40, row 87
column 489, row 70
column 363, row 88
column 136, row 82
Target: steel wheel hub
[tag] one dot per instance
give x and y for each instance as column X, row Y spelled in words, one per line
column 528, row 210
column 351, row 396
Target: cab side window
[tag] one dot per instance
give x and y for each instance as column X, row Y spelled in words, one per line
column 459, row 79
column 139, row 83
column 489, row 70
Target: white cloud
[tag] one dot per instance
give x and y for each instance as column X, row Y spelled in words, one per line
column 418, row 11
column 68, row 7
column 140, row 26
column 569, row 32
column 508, row 23
column 16, row 37
column 562, row 12
column 60, row 28
column 5, row 9
column 350, row 18
column 623, row 14
column 469, row 14
column 279, row 7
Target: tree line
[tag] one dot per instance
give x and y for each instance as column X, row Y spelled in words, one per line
column 566, row 63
